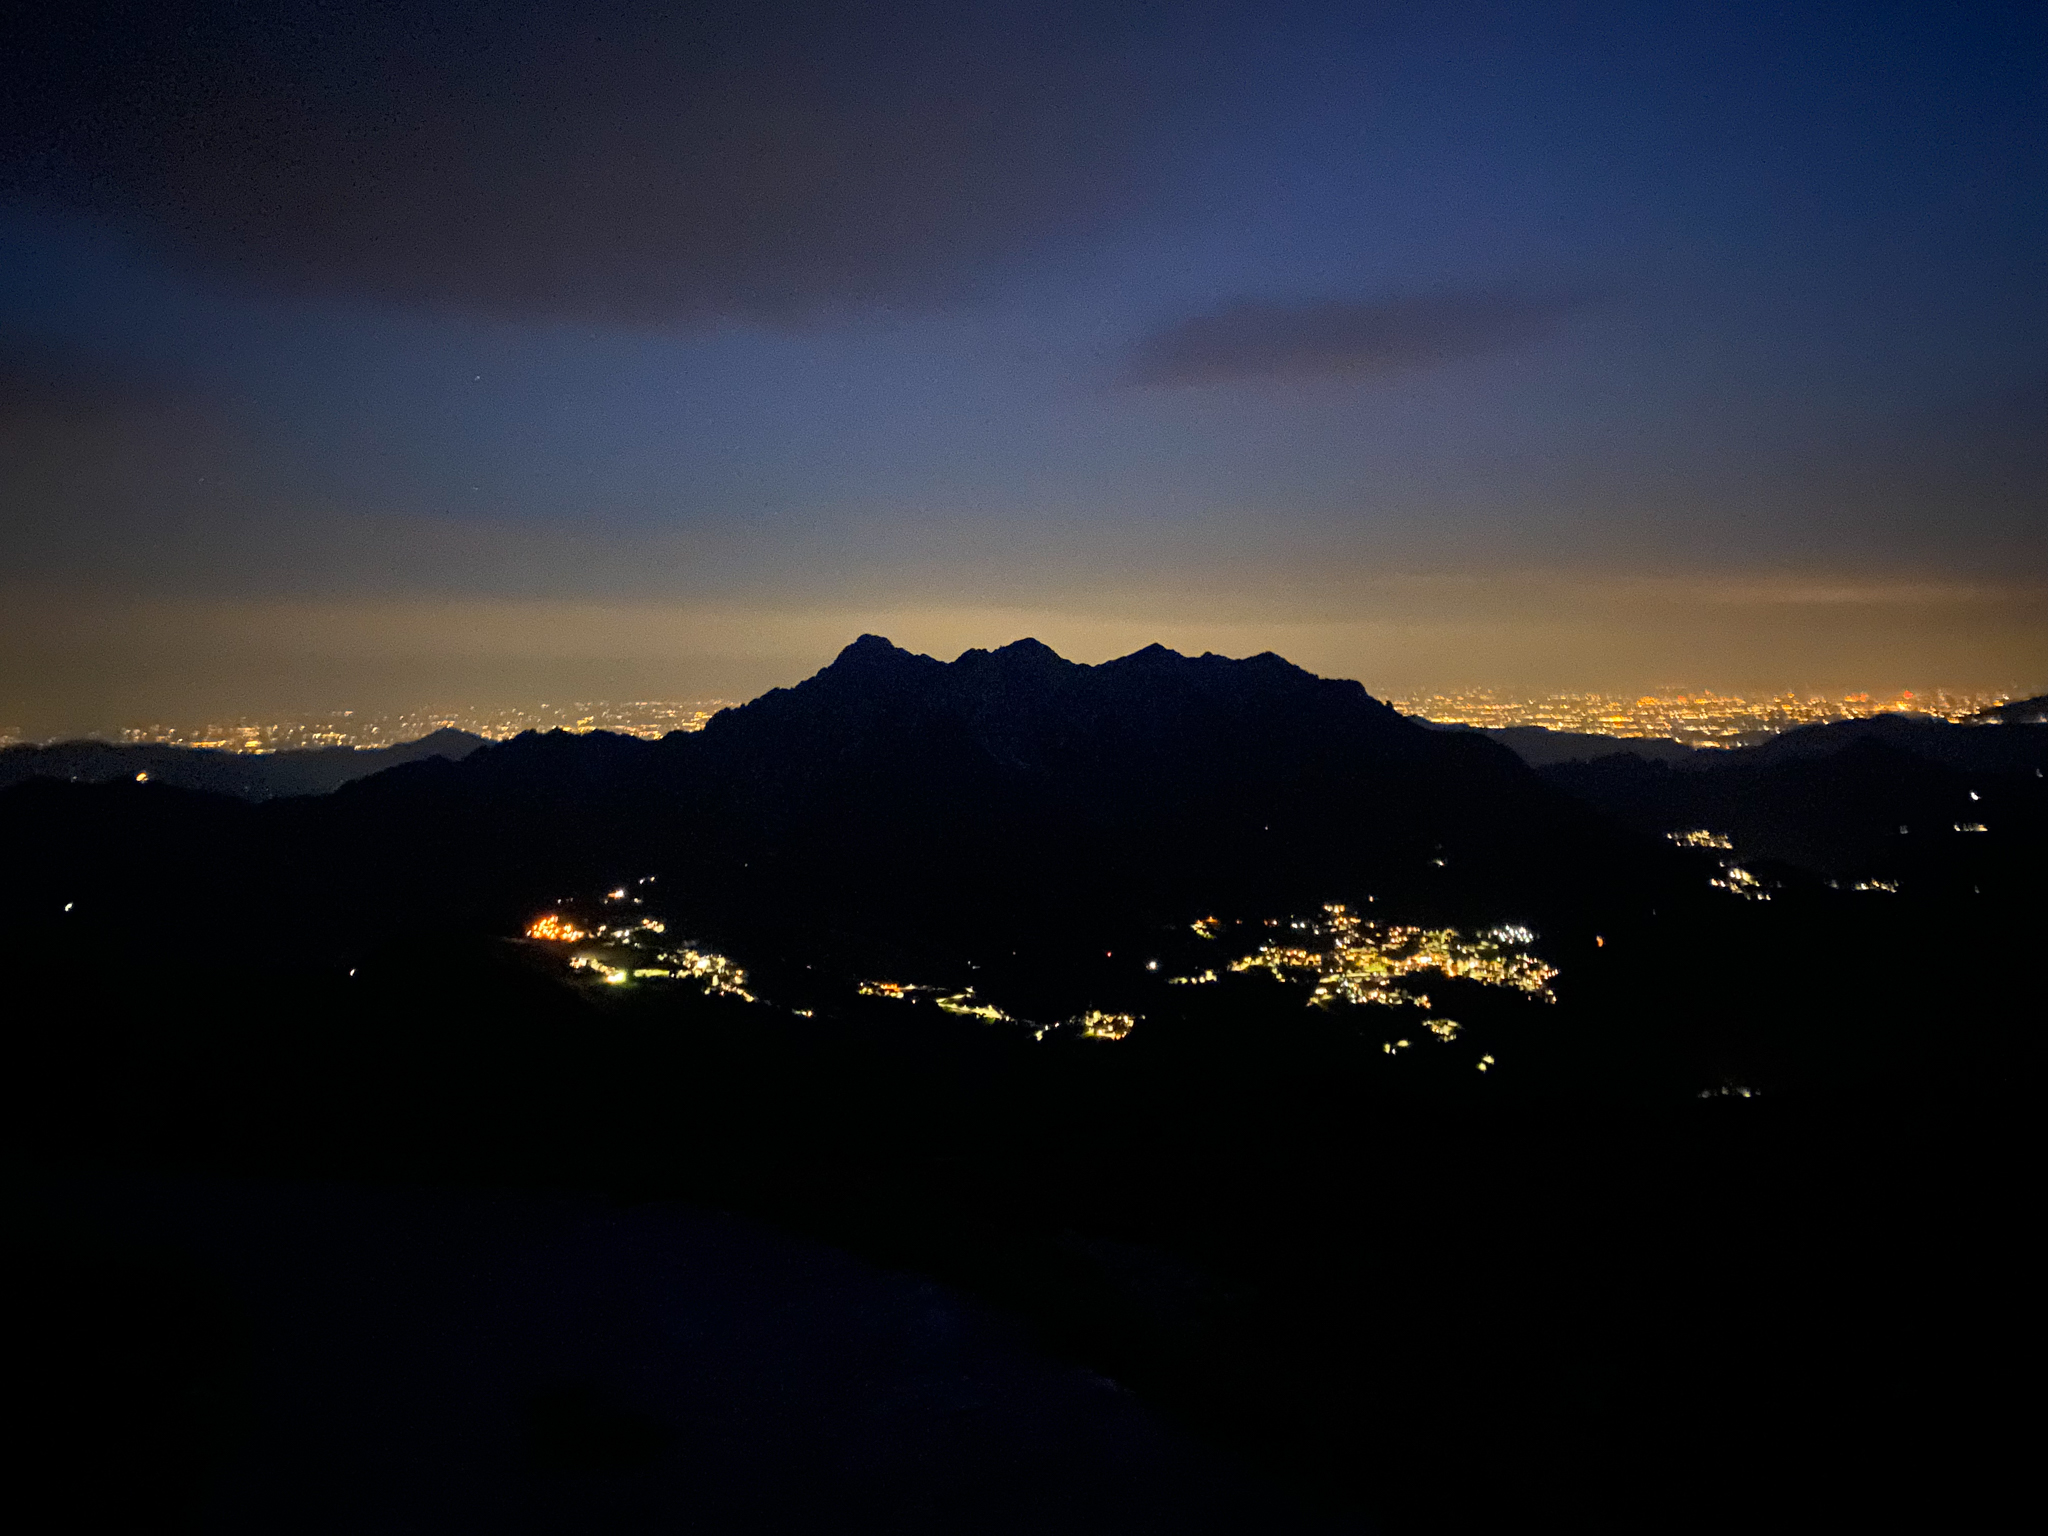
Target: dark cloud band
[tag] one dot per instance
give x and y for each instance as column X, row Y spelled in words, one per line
column 1335, row 338
column 611, row 160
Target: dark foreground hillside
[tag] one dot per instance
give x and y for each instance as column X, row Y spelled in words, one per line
column 1725, row 1234
column 1418, row 1306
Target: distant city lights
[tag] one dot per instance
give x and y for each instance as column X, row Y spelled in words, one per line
column 648, row 719
column 1699, row 718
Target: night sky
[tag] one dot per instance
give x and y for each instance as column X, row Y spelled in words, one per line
column 392, row 355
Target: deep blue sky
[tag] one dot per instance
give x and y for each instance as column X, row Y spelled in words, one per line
column 379, row 355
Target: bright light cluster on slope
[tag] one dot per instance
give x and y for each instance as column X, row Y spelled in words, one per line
column 555, row 929
column 900, row 991
column 1700, row 837
column 713, row 970
column 1097, row 1025
column 624, row 949
column 1355, row 961
column 1093, row 1024
column 1734, row 877
column 961, row 1002
column 964, row 1004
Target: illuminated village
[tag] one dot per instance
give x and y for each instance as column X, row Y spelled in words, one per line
column 634, row 947
column 1343, row 958
column 1092, row 1024
column 1732, row 877
column 1352, row 960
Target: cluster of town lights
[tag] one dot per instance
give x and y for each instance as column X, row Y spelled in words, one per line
column 1344, row 957
column 1093, row 1024
column 626, row 950
column 1355, row 961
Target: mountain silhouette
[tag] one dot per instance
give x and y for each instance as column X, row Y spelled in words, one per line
column 893, row 792
column 892, row 810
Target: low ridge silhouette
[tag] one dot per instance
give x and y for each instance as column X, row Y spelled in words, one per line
column 247, row 775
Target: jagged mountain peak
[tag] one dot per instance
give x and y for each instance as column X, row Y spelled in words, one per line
column 869, row 645
column 1019, row 655
column 874, row 656
column 870, row 652
column 1021, row 699
column 1156, row 660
